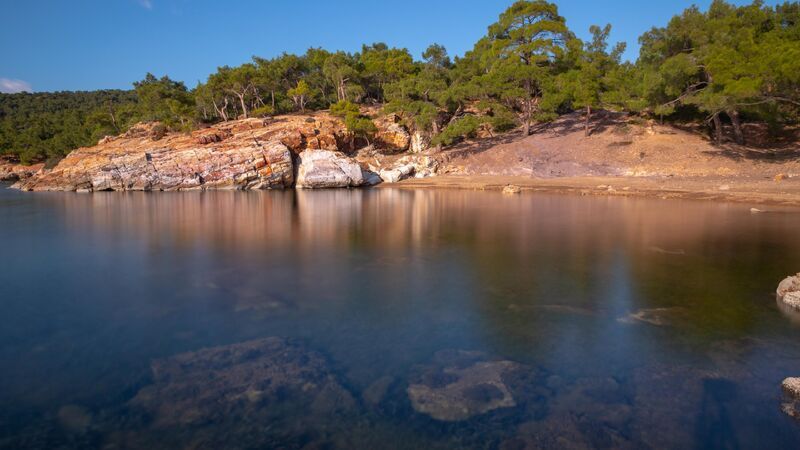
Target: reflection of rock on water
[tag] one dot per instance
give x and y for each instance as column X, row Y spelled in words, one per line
column 790, row 312
column 244, row 387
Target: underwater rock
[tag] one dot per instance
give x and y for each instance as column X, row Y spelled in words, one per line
column 589, row 413
column 244, row 380
column 74, row 418
column 789, row 291
column 460, row 385
column 375, row 393
column 656, row 316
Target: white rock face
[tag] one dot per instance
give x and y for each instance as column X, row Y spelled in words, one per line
column 420, row 141
column 397, row 173
column 319, row 169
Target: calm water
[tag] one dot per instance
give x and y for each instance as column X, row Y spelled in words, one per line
column 528, row 322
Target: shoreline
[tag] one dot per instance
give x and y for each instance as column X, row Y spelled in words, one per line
column 764, row 192
column 757, row 192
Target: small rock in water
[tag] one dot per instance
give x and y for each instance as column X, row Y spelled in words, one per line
column 512, row 189
column 789, row 291
column 724, row 187
column 791, row 390
column 755, row 211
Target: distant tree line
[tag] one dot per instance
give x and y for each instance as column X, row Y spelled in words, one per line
column 728, row 64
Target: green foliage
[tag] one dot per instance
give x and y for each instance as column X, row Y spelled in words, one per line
column 734, row 62
column 464, row 127
column 356, row 123
column 728, row 60
column 360, row 126
column 263, row 111
column 343, row 108
column 164, row 100
column 39, row 126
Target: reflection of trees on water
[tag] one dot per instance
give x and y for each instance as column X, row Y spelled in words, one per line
column 522, row 253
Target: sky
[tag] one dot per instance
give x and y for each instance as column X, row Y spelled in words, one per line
column 60, row 45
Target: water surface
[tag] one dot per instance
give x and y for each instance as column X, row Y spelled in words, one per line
column 629, row 323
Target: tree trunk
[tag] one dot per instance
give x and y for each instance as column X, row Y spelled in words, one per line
column 717, row 129
column 272, row 93
column 588, row 118
column 526, row 130
column 737, row 126
column 244, row 107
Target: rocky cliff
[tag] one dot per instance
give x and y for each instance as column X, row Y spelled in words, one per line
column 243, row 154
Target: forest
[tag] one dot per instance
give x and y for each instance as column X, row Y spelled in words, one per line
column 723, row 66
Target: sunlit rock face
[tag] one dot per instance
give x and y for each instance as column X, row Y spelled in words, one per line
column 319, row 169
column 391, row 137
column 243, row 154
column 13, row 171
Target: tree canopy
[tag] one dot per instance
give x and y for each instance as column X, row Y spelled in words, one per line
column 727, row 64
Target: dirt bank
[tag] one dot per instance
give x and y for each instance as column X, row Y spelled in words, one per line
column 758, row 192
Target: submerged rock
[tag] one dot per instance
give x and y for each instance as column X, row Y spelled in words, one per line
column 319, row 169
column 261, row 378
column 655, row 316
column 460, row 385
column 789, row 291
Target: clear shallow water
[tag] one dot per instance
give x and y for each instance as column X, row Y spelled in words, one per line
column 590, row 322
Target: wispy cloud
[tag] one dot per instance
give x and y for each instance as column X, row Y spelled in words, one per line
column 9, row 86
column 146, row 4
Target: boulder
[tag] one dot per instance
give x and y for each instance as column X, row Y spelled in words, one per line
column 511, row 189
column 789, row 291
column 396, row 173
column 319, row 169
column 791, row 391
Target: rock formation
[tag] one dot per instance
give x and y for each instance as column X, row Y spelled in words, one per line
column 391, row 136
column 13, row 171
column 243, row 154
column 223, row 383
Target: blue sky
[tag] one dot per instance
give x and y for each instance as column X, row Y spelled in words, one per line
column 96, row 44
